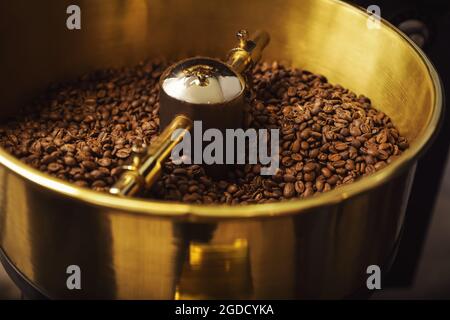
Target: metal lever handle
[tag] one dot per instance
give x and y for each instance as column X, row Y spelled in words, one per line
column 146, row 164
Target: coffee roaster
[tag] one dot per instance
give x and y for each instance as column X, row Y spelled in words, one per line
column 319, row 247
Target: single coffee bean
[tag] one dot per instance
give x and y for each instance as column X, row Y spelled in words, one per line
column 104, row 162
column 123, row 153
column 288, row 190
column 326, row 172
column 309, row 191
column 54, row 167
column 296, row 146
column 89, row 165
column 289, row 178
column 299, row 187
column 70, row 161
column 310, row 166
column 232, row 189
column 340, row 146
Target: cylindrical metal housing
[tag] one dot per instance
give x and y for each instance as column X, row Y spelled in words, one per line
column 319, row 247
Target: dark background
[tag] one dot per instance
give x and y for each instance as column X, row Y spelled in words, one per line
column 433, row 270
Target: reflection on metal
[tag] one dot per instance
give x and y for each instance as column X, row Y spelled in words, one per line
column 216, row 271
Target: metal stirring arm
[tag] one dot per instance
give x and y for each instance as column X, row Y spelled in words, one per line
column 146, row 163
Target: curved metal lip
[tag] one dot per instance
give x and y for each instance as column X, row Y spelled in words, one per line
column 154, row 208
column 238, row 75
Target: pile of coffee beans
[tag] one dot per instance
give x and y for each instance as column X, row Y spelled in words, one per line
column 83, row 132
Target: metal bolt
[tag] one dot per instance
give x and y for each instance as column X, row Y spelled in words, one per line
column 242, row 36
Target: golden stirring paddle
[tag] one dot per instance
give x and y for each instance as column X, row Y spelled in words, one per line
column 198, row 88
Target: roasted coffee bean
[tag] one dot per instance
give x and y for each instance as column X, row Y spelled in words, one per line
column 288, row 190
column 84, row 131
column 296, row 146
column 304, row 145
column 81, row 183
column 123, row 153
column 355, row 131
column 54, row 167
column 310, row 166
column 104, row 162
column 340, row 146
column 338, row 164
column 309, row 191
column 333, row 180
column 319, row 185
column 289, row 178
column 232, row 189
column 326, row 172
column 70, row 161
column 89, row 165
column 299, row 187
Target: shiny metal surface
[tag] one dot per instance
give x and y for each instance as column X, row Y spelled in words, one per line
column 202, row 81
column 249, row 51
column 129, row 248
